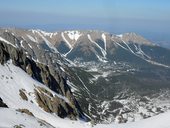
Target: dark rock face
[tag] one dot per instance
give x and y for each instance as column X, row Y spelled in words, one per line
column 23, row 95
column 2, row 104
column 26, row 111
column 54, row 104
column 55, row 81
column 4, row 56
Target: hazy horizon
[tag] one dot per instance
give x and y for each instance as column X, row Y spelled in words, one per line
column 149, row 18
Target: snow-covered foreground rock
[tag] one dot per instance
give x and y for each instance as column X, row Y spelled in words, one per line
column 11, row 118
column 12, row 80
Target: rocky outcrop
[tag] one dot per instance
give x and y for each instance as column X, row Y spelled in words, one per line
column 2, row 104
column 53, row 104
column 52, row 79
column 23, row 95
column 26, row 111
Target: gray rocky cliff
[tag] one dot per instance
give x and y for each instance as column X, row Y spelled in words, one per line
column 54, row 80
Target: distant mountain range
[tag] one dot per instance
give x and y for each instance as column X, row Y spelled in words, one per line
column 86, row 45
column 89, row 75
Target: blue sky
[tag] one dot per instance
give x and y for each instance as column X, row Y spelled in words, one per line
column 109, row 15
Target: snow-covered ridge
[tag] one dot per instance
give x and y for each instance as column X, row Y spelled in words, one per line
column 50, row 34
column 73, row 35
column 53, row 41
column 120, row 35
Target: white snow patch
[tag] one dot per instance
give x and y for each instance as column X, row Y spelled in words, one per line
column 48, row 43
column 21, row 42
column 120, row 35
column 13, row 118
column 141, row 52
column 73, row 87
column 74, row 35
column 120, row 45
column 32, row 38
column 29, row 45
column 101, row 59
column 62, row 34
column 128, row 46
column 105, row 106
column 46, row 33
column 83, row 83
column 102, row 50
column 65, row 55
column 105, row 74
column 49, row 34
column 104, row 39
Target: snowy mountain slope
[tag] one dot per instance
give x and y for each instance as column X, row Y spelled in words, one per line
column 31, row 87
column 13, row 119
column 12, row 80
column 53, row 77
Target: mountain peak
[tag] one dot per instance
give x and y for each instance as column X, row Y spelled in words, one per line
column 135, row 38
